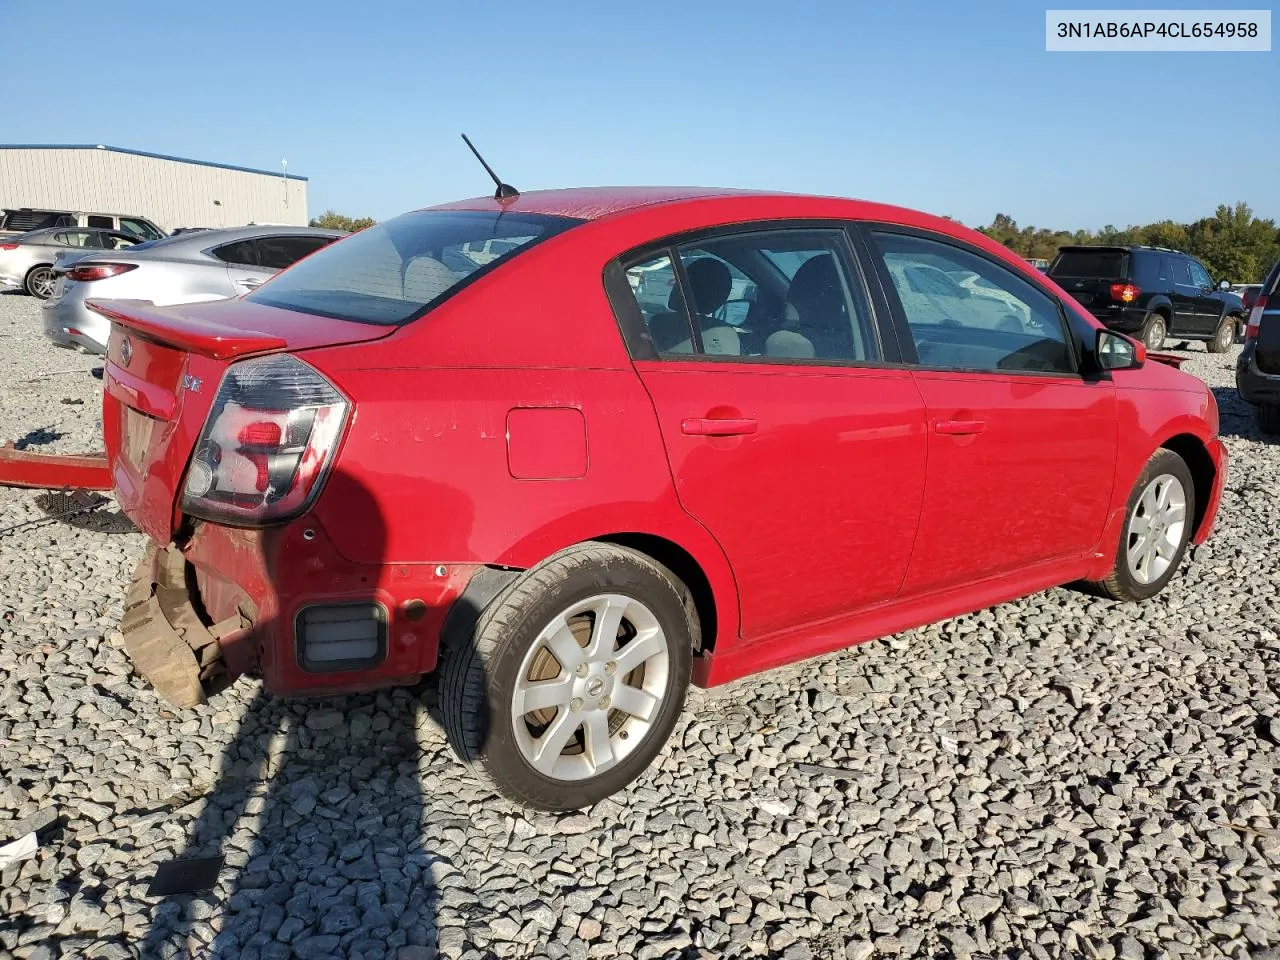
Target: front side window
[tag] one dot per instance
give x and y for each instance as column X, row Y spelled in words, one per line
column 140, row 228
column 395, row 271
column 786, row 294
column 1006, row 324
column 1199, row 275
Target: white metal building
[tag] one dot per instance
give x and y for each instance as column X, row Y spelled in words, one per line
column 169, row 191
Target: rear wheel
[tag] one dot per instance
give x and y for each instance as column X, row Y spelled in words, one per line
column 40, row 282
column 573, row 679
column 1156, row 531
column 1153, row 331
column 1268, row 417
column 1224, row 336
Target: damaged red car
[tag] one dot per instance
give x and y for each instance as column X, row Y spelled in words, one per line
column 571, row 451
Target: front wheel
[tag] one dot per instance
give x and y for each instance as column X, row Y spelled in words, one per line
column 1224, row 336
column 1153, row 332
column 573, row 679
column 1157, row 529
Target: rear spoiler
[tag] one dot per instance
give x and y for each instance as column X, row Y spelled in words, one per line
column 1168, row 359
column 193, row 334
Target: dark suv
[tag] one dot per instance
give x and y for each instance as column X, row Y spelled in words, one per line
column 1151, row 293
column 1258, row 369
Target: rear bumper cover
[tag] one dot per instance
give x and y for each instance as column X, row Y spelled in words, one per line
column 1253, row 385
column 226, row 604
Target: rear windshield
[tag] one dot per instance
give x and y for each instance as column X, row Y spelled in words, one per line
column 1090, row 263
column 395, row 271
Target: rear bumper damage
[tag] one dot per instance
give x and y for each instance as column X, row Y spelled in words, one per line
column 168, row 641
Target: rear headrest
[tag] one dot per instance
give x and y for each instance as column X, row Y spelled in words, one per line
column 788, row 343
column 709, row 285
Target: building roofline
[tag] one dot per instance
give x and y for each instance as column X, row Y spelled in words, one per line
column 145, row 153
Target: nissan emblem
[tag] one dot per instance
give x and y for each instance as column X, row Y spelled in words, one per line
column 126, row 350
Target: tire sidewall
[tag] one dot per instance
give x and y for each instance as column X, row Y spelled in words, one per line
column 642, row 581
column 1163, row 462
column 1224, row 336
column 1148, row 340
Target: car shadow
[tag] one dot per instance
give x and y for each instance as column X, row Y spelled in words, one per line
column 1236, row 418
column 319, row 816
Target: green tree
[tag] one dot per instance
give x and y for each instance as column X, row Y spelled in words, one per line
column 332, row 220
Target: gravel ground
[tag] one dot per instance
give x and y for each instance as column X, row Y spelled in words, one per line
column 1057, row 777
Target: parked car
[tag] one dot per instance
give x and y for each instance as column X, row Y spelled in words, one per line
column 26, row 260
column 1152, row 292
column 1247, row 292
column 26, row 219
column 1258, row 369
column 202, row 265
column 569, row 502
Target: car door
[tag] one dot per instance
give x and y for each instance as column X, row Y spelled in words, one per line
column 1184, row 297
column 1021, row 448
column 789, row 437
column 1208, row 304
column 244, row 270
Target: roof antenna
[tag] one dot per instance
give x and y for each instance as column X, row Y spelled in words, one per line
column 505, row 191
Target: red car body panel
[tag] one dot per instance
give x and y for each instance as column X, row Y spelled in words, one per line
column 511, row 422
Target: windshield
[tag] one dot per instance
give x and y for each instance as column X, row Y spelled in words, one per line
column 395, row 271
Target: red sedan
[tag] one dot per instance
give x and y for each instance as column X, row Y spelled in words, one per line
column 573, row 450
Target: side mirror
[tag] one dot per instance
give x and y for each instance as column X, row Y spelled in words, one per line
column 1116, row 352
column 1224, row 285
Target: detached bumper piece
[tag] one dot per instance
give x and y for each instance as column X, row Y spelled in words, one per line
column 168, row 642
column 52, row 471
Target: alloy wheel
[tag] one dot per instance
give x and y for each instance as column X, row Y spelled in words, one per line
column 590, row 687
column 1156, row 529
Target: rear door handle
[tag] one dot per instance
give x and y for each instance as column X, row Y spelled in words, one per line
column 710, row 427
column 959, row 428
column 249, row 283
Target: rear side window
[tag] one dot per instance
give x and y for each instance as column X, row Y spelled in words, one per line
column 108, row 223
column 242, row 253
column 395, row 271
column 1106, row 264
column 276, row 253
column 1179, row 270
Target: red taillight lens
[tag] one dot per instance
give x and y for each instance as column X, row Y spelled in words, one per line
column 1255, row 319
column 99, row 271
column 267, row 443
column 1124, row 292
column 8, row 246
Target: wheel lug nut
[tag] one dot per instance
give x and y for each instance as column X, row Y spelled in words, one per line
column 611, row 668
column 582, row 669
column 575, row 704
column 604, row 703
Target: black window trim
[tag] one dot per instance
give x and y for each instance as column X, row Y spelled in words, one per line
column 635, row 332
column 1073, row 335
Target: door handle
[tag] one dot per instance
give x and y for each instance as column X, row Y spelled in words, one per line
column 959, row 428
column 249, row 283
column 711, row 427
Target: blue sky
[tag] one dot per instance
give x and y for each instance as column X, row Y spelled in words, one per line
column 950, row 107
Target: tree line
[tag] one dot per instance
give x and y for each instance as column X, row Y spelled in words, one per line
column 1233, row 243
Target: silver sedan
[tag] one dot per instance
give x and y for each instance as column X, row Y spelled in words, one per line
column 188, row 268
column 26, row 259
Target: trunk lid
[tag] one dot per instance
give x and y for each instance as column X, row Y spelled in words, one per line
column 164, row 365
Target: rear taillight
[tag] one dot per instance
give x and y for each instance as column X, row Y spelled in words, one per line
column 1255, row 319
column 99, row 271
column 267, row 443
column 1124, row 292
column 8, row 246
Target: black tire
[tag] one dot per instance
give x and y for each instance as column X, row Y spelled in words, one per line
column 1224, row 336
column 1268, row 417
column 39, row 281
column 1121, row 584
column 478, row 677
column 1154, row 331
